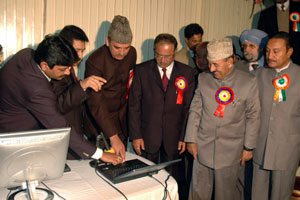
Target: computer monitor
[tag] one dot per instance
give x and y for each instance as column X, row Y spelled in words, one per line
column 32, row 156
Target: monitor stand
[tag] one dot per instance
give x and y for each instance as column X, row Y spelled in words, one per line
column 31, row 192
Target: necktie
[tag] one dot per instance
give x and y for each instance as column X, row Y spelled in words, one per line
column 254, row 66
column 282, row 7
column 165, row 80
column 73, row 74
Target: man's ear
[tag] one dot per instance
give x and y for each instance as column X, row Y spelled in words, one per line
column 186, row 40
column 107, row 41
column 44, row 66
column 290, row 52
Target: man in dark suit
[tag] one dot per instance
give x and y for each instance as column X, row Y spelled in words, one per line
column 159, row 102
column 70, row 91
column 282, row 17
column 27, row 101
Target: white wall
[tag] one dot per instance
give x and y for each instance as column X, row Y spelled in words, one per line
column 24, row 23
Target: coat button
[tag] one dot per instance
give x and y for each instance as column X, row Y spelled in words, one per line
column 270, row 133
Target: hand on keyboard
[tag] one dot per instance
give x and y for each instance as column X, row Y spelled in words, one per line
column 111, row 158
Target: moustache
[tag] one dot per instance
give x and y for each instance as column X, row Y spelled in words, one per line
column 270, row 60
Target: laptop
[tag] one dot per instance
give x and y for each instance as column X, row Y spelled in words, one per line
column 131, row 169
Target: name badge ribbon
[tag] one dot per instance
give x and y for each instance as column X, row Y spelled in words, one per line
column 281, row 83
column 129, row 82
column 295, row 18
column 224, row 96
column 181, row 85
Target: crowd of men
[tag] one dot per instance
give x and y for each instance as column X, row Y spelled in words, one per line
column 238, row 120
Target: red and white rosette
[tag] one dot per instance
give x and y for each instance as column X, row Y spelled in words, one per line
column 181, row 85
column 129, row 82
column 224, row 96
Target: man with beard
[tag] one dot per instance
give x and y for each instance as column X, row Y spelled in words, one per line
column 253, row 42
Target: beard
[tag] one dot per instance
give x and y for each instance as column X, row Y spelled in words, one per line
column 250, row 57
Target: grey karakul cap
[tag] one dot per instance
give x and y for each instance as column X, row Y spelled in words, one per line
column 119, row 30
column 219, row 49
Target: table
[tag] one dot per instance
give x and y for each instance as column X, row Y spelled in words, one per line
column 81, row 183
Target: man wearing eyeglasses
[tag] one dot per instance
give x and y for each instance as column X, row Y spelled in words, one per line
column 253, row 42
column 159, row 101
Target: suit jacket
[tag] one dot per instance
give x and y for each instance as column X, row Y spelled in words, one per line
column 185, row 57
column 153, row 113
column 107, row 108
column 242, row 65
column 27, row 101
column 219, row 140
column 279, row 137
column 70, row 98
column 268, row 23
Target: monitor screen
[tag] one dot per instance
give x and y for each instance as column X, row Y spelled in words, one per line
column 32, row 155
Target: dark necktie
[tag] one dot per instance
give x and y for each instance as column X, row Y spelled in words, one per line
column 165, row 80
column 254, row 66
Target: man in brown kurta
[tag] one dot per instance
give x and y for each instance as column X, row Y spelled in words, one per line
column 107, row 109
column 223, row 124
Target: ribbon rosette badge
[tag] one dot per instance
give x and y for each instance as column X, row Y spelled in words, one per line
column 281, row 83
column 224, row 96
column 295, row 18
column 181, row 85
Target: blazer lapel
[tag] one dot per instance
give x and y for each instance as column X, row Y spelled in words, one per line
column 175, row 74
column 156, row 76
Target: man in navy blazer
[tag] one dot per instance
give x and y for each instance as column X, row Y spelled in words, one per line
column 27, row 100
column 158, row 113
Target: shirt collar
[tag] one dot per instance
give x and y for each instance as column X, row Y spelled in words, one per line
column 285, row 67
column 286, row 5
column 47, row 77
column 169, row 68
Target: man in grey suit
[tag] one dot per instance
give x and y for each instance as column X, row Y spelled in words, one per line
column 277, row 152
column 223, row 124
column 253, row 42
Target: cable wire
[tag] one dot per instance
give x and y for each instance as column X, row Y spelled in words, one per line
column 53, row 191
column 111, row 184
column 166, row 191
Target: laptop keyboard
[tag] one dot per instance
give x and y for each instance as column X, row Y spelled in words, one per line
column 112, row 171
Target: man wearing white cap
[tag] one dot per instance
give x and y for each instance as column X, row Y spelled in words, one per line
column 253, row 42
column 223, row 124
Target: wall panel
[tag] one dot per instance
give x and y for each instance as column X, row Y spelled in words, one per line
column 25, row 22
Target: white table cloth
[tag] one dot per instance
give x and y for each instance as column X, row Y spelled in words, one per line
column 81, row 183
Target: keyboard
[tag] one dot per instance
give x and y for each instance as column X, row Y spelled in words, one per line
column 112, row 172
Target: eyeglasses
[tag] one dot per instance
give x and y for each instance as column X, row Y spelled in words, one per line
column 162, row 56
